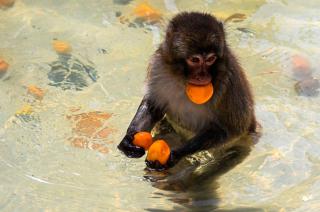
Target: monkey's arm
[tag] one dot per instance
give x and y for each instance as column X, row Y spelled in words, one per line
column 212, row 137
column 209, row 138
column 146, row 117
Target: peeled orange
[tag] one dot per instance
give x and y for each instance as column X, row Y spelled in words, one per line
column 159, row 151
column 143, row 139
column 199, row 94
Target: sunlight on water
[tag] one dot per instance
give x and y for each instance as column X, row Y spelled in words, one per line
column 62, row 115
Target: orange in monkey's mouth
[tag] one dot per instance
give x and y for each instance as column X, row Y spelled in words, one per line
column 199, row 94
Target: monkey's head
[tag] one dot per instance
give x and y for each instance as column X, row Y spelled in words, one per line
column 197, row 41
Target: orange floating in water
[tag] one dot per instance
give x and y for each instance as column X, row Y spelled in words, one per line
column 159, row 151
column 199, row 94
column 36, row 92
column 6, row 3
column 24, row 111
column 147, row 12
column 300, row 62
column 143, row 139
column 3, row 66
column 61, row 47
column 301, row 68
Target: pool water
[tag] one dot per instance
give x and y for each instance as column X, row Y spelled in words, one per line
column 62, row 116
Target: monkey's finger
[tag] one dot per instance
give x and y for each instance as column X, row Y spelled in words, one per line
column 135, row 152
column 155, row 165
column 131, row 150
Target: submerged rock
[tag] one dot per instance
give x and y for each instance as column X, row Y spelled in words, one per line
column 122, row 2
column 90, row 130
column 307, row 87
column 69, row 72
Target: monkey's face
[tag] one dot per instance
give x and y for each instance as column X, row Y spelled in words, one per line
column 199, row 68
column 197, row 41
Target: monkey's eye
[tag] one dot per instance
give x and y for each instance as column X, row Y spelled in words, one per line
column 195, row 60
column 210, row 59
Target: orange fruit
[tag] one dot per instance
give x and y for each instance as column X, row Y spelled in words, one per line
column 145, row 11
column 61, row 47
column 3, row 66
column 25, row 111
column 159, row 151
column 36, row 92
column 199, row 94
column 143, row 139
column 300, row 62
column 6, row 3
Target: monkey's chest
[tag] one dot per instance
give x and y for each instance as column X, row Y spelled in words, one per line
column 189, row 117
column 169, row 93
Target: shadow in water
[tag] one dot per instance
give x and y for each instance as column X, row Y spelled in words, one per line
column 192, row 183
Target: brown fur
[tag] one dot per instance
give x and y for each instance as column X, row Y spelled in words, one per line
column 230, row 111
column 231, row 106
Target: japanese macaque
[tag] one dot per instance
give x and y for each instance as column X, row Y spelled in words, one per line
column 194, row 52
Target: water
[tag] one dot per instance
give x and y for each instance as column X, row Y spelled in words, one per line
column 51, row 161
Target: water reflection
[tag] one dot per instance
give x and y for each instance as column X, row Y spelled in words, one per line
column 193, row 182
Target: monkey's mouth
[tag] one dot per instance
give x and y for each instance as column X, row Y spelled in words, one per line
column 200, row 79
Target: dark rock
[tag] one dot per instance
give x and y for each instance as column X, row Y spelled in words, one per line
column 307, row 87
column 122, row 2
column 69, row 72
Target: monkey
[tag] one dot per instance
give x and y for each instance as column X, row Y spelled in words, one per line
column 194, row 51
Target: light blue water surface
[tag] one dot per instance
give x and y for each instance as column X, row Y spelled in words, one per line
column 41, row 171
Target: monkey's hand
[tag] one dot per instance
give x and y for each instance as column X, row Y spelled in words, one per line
column 144, row 120
column 129, row 149
column 156, row 165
